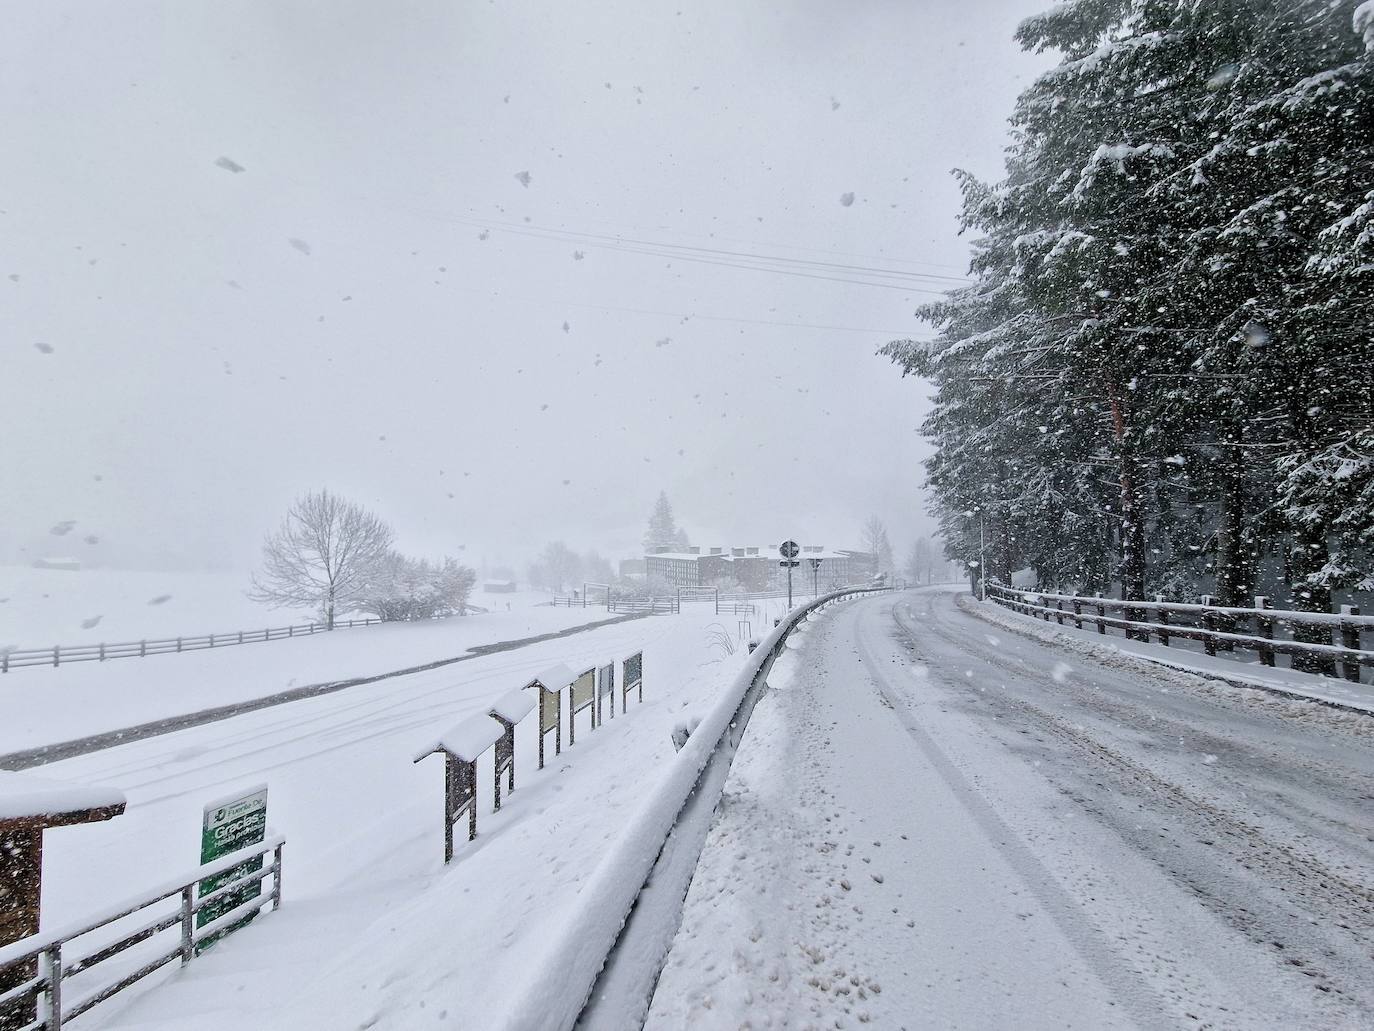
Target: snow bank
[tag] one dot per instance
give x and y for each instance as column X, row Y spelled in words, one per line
column 564, row 975
column 1364, row 22
column 1304, row 695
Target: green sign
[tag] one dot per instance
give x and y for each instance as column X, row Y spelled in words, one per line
column 231, row 824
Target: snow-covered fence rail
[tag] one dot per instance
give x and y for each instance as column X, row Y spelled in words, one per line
column 1218, row 627
column 600, row 969
column 18, row 658
column 58, row 962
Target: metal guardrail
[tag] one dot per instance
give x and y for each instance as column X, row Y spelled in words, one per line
column 1216, row 626
column 601, row 968
column 54, row 972
column 18, row 658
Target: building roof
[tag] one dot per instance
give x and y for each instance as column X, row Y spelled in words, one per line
column 467, row 740
column 555, row 678
column 37, row 801
column 513, row 706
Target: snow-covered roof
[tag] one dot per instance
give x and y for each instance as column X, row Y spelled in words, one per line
column 467, row 740
column 513, row 706
column 682, row 556
column 28, row 799
column 555, row 678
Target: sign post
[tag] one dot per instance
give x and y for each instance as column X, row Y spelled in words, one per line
column 789, row 552
column 815, row 573
column 230, row 824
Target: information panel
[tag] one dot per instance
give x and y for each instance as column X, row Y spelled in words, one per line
column 229, row 825
column 548, row 711
column 583, row 690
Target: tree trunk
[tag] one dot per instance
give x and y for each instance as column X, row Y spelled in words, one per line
column 1307, row 554
column 1132, row 522
column 329, row 609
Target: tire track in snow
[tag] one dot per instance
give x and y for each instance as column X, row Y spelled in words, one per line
column 1317, row 919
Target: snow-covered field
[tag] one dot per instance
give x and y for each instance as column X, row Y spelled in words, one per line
column 43, row 607
column 375, row 931
column 934, row 822
column 43, row 705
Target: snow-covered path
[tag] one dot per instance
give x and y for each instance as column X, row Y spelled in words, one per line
column 936, row 822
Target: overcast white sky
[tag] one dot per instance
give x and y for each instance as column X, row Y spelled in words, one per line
column 198, row 368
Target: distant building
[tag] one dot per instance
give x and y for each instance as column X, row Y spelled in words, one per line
column 498, row 587
column 56, row 563
column 758, row 568
column 688, row 568
column 632, row 569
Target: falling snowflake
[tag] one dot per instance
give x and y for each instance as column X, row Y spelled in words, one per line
column 161, row 599
column 578, row 255
column 846, row 199
column 229, row 165
column 523, row 178
column 43, row 348
column 63, row 528
column 300, row 245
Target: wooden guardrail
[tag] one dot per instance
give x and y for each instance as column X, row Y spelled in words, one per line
column 59, row 961
column 1218, row 627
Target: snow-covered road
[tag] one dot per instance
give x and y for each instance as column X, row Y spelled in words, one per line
column 935, row 821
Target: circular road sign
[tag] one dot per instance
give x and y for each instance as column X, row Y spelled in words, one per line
column 789, row 549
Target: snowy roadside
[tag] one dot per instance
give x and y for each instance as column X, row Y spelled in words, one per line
column 1303, row 694
column 43, row 706
column 375, row 931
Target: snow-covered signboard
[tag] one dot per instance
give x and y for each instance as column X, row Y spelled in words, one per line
column 230, row 824
column 605, row 688
column 581, row 697
column 550, row 685
column 632, row 678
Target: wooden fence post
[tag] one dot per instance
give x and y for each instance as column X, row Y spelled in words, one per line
column 1059, row 604
column 1162, row 617
column 1101, row 615
column 1209, row 641
column 1350, row 638
column 1265, row 626
column 1078, row 614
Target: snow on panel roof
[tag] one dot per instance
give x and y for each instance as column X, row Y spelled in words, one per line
column 467, row 740
column 514, row 706
column 555, row 678
column 25, row 797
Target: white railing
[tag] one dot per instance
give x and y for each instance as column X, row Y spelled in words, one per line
column 54, row 971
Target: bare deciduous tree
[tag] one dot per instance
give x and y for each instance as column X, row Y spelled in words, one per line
column 875, row 542
column 321, row 555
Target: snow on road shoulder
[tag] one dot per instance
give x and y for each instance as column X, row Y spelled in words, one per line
column 376, row 932
column 1284, row 693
